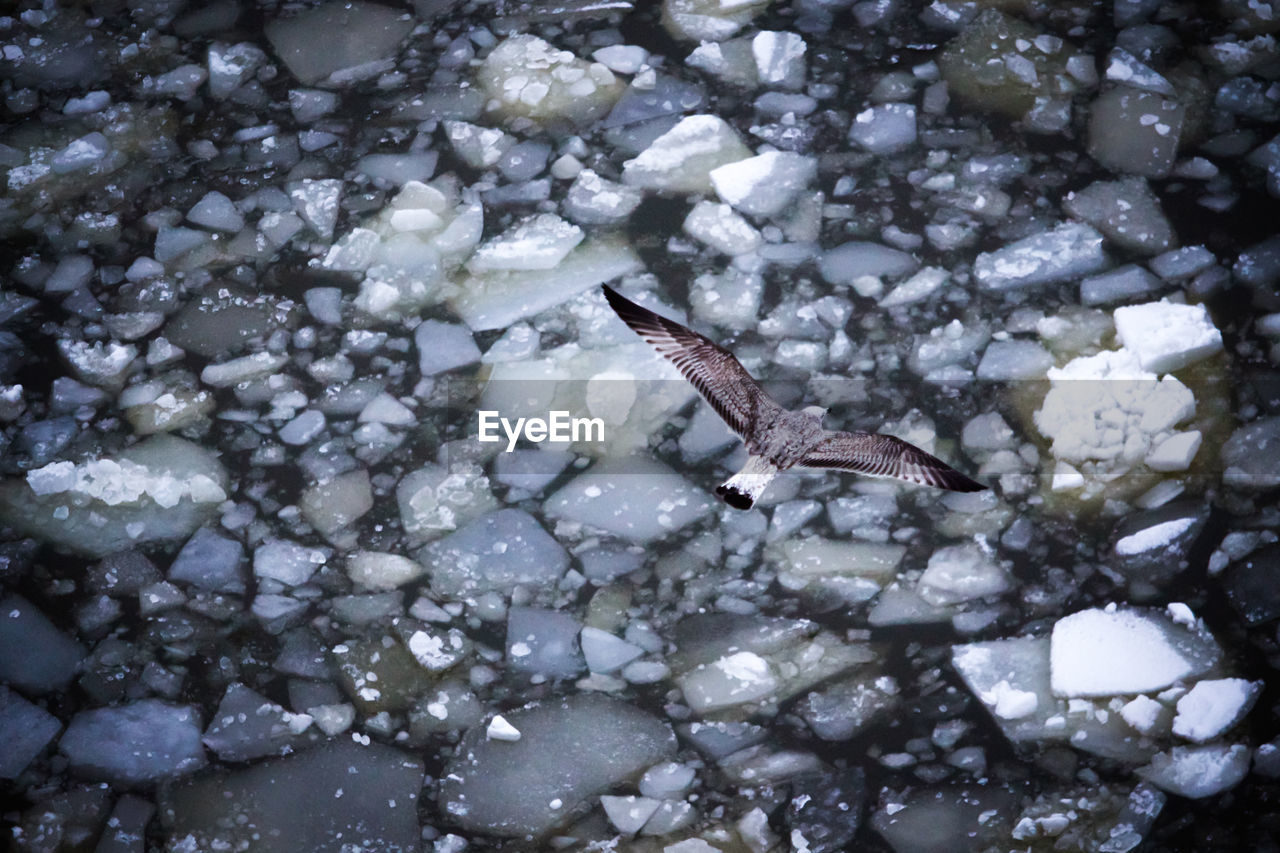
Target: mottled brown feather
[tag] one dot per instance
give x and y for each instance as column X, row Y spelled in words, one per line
column 885, row 456
column 710, row 368
column 736, row 397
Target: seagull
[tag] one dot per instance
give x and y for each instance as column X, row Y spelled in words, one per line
column 776, row 438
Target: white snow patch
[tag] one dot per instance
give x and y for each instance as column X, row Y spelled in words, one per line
column 500, row 729
column 1142, row 713
column 1156, row 536
column 1167, row 336
column 1109, row 652
column 538, row 243
column 1213, row 706
column 1008, row 702
column 115, row 482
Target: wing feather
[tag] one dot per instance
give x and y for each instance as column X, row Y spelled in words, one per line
column 885, row 456
column 710, row 368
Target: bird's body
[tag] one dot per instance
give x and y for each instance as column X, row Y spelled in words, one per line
column 777, row 438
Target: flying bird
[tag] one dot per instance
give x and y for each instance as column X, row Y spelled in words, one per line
column 777, row 438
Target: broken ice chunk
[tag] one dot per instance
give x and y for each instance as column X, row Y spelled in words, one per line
column 434, row 498
column 593, row 200
column 137, row 743
column 1008, row 702
column 765, row 184
column 1198, row 771
column 1003, row 64
column 1016, row 359
column 308, row 105
column 209, row 561
column 496, row 299
column 1135, row 132
column 90, row 102
column 857, row 571
column 288, row 562
column 945, row 346
column 635, row 498
column 407, row 276
column 842, row 709
column 248, row 725
column 623, row 58
column 72, row 273
column 1167, row 336
column 1114, row 651
column 163, row 488
column 103, row 364
column 1145, row 714
column 1182, row 263
column 1121, row 284
column 569, row 752
column 493, row 554
column 1126, row 211
column 173, row 409
column 628, row 814
column 779, row 59
column 353, row 252
column 326, row 40
column 606, row 653
column 35, row 656
column 1017, row 671
column 216, row 211
column 225, row 374
column 1115, row 420
column 527, row 77
column 1259, row 265
column 438, row 651
column 316, row 201
column 727, row 681
column 961, row 573
column 1213, row 706
column 884, row 129
column 1067, row 251
column 530, row 471
column 708, row 20
column 479, row 147
column 25, row 730
column 500, row 729
column 1123, row 67
column 733, row 62
column 332, row 505
column 1175, row 452
column 1152, row 547
column 929, row 818
column 538, row 243
column 80, row 153
column 919, row 287
column 443, row 347
column 398, row 169
column 721, row 228
column 231, row 65
column 857, row 259
column 650, row 97
column 1249, row 457
column 308, row 798
column 681, row 160
column 543, row 642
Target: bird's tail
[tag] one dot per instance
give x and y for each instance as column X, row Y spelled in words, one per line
column 743, row 489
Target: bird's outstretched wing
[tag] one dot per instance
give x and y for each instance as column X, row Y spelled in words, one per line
column 711, row 368
column 885, row 456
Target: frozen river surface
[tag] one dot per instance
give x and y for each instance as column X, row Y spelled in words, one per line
column 282, row 568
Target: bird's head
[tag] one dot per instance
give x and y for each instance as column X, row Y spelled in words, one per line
column 815, row 412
